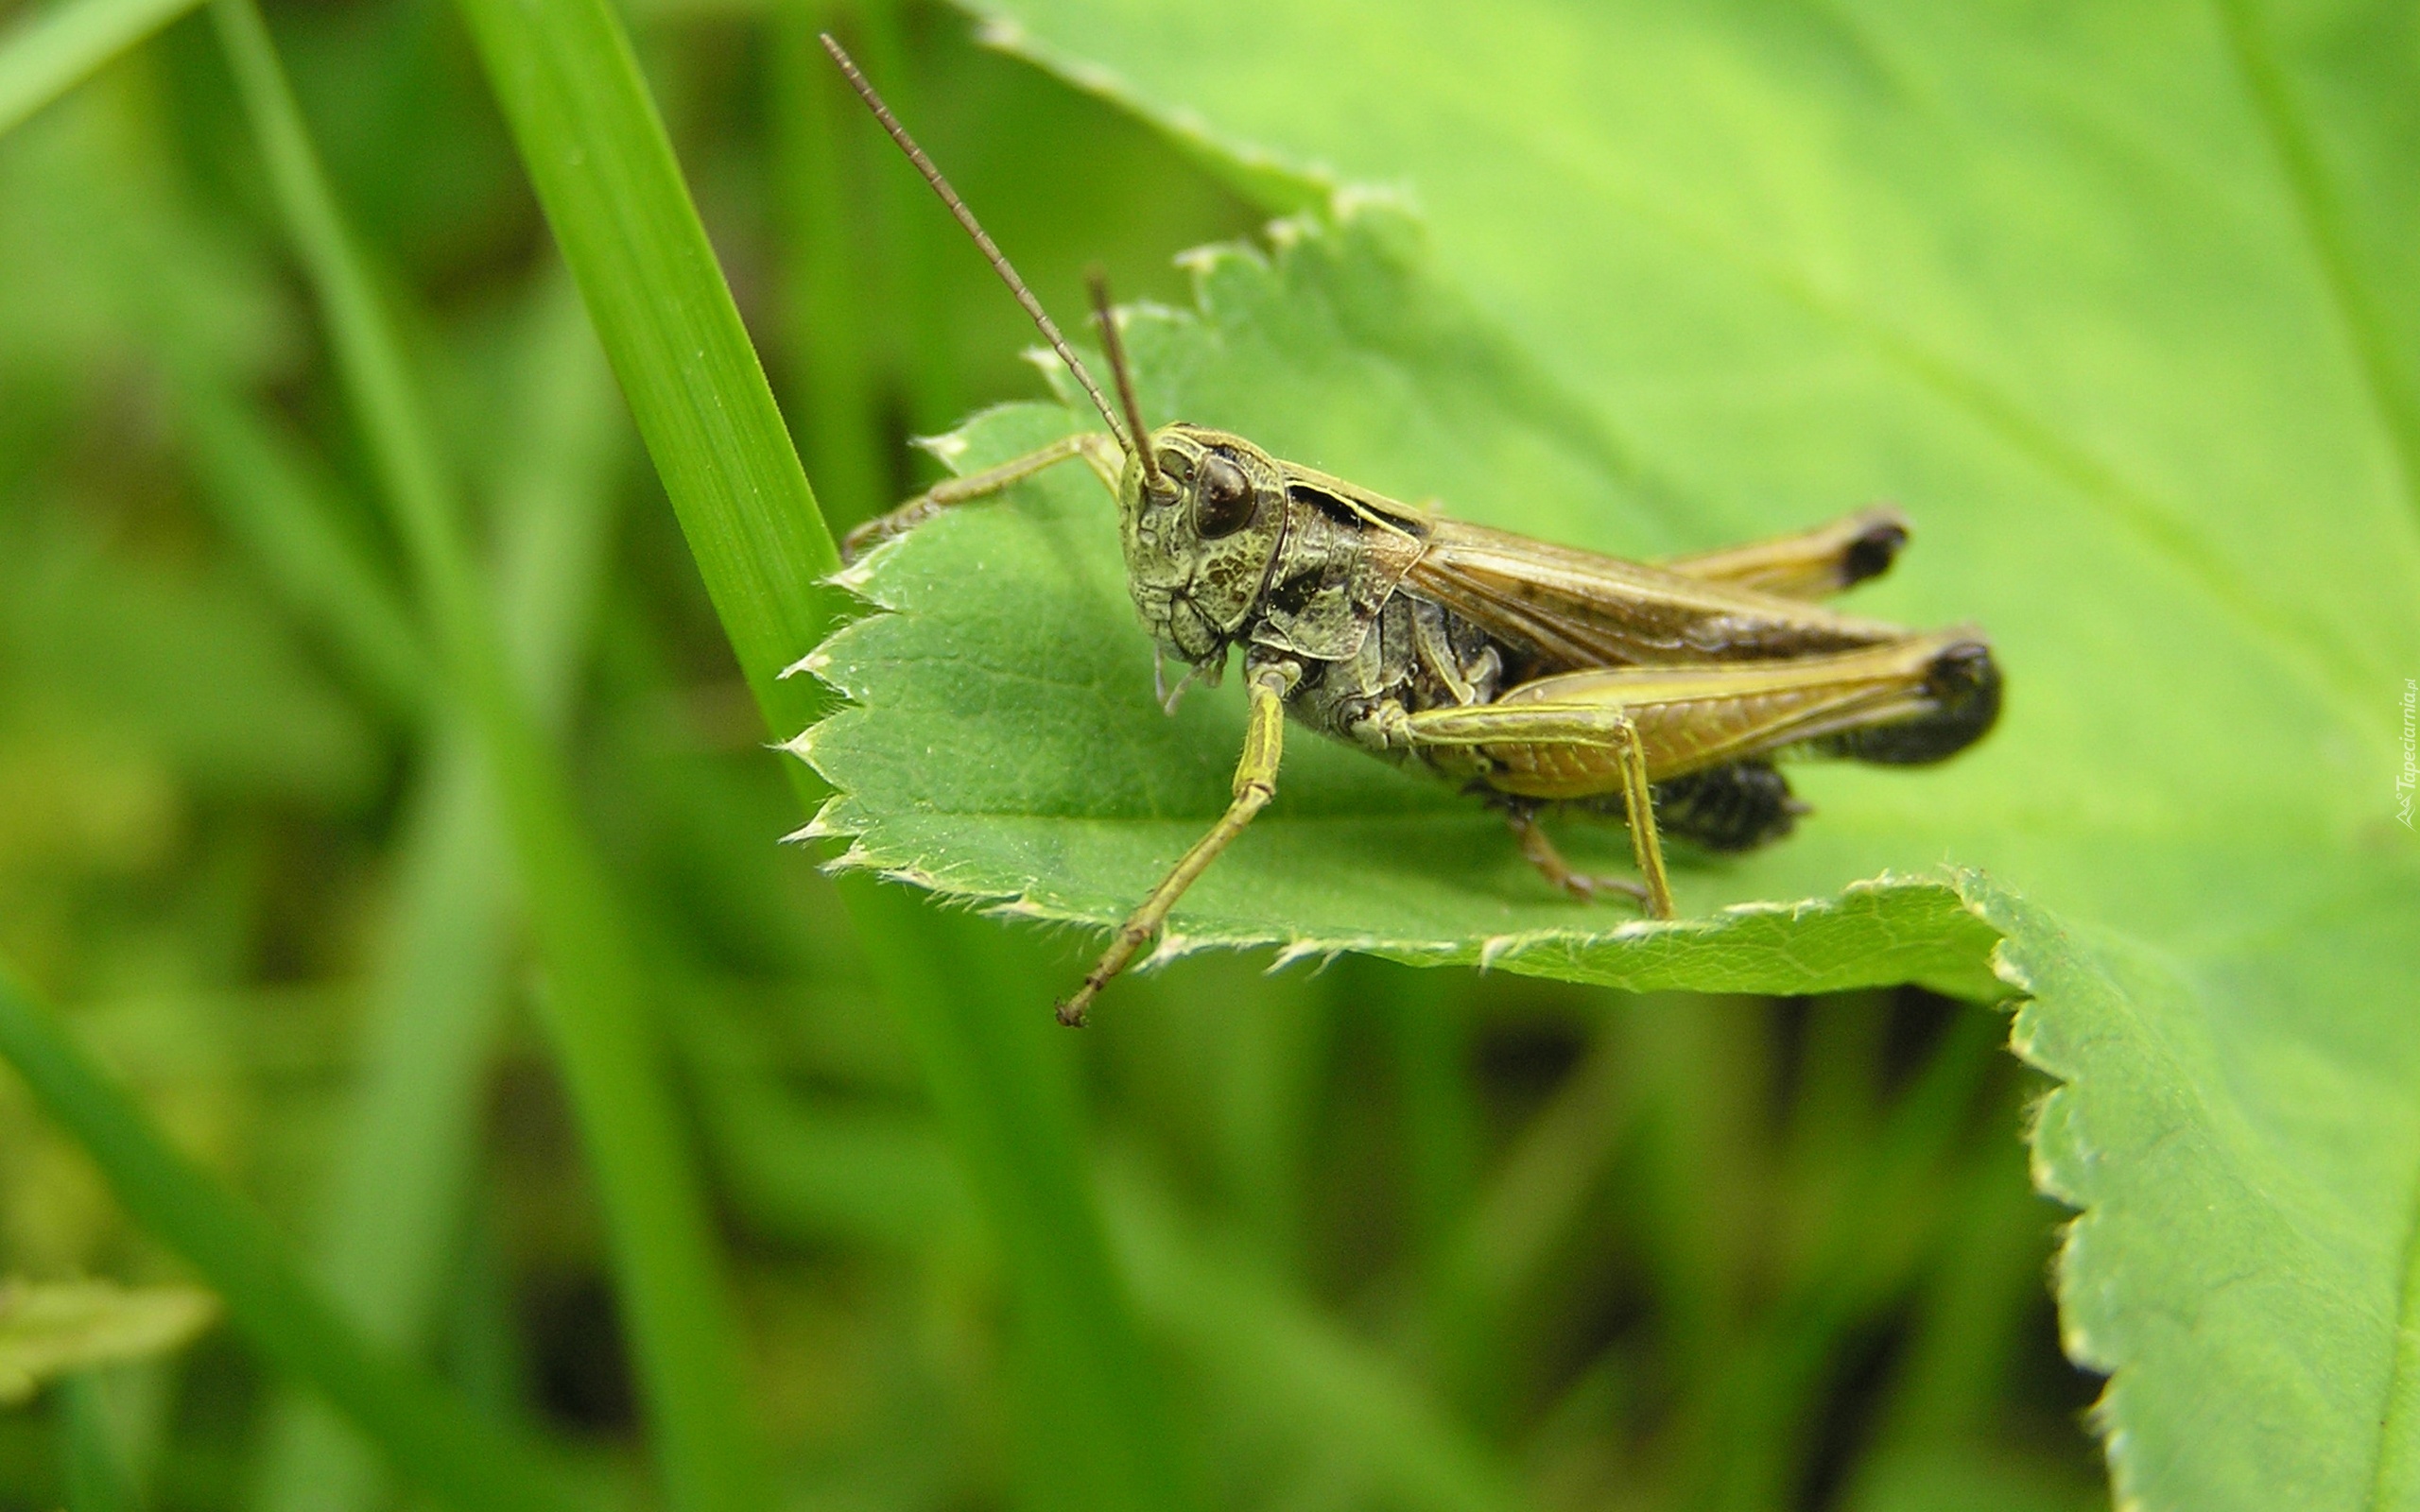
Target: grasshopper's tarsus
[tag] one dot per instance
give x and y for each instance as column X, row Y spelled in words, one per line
column 1268, row 682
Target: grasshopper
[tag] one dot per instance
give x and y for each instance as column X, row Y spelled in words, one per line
column 1535, row 675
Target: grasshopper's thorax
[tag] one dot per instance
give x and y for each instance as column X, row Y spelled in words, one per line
column 1198, row 547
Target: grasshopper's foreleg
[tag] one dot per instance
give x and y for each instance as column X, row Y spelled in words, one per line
column 1255, row 783
column 1594, row 726
column 1099, row 451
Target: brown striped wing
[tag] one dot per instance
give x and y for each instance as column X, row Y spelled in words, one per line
column 1575, row 608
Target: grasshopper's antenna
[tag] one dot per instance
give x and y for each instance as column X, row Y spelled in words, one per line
column 1114, row 345
column 982, row 240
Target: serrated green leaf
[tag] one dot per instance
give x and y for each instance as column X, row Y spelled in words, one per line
column 2119, row 303
column 65, row 1326
column 1006, row 631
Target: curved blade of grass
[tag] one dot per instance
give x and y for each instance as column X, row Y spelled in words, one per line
column 1275, row 1356
column 672, row 1292
column 606, row 177
column 1090, row 1430
column 281, row 1312
column 46, row 52
column 605, row 174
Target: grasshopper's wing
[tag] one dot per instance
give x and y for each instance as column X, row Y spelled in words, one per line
column 1579, row 608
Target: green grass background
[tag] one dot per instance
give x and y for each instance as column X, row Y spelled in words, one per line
column 396, row 940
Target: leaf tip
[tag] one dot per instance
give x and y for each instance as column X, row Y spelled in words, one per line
column 826, row 825
column 948, row 447
column 800, row 745
column 855, row 858
column 856, row 577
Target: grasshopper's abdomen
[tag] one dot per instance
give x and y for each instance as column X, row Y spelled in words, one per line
column 1732, row 808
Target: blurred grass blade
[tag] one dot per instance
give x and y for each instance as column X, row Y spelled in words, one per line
column 45, row 53
column 1884, row 1211
column 1092, row 1430
column 265, row 492
column 285, row 1316
column 912, row 237
column 96, row 1473
column 673, row 1295
column 1532, row 1203
column 1969, row 1316
column 824, row 269
column 1274, row 1352
column 407, row 1157
column 810, row 1171
column 604, row 171
column 396, row 1187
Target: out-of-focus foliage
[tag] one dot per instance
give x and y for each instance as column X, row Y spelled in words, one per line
column 1392, row 1238
column 68, row 1326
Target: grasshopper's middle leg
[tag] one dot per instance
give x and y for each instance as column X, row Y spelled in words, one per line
column 1255, row 784
column 1595, row 725
column 1095, row 448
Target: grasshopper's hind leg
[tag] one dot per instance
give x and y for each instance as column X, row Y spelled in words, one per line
column 1540, row 852
column 1099, row 451
column 1812, row 564
column 1267, row 683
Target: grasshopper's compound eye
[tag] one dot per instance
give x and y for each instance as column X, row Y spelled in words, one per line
column 1222, row 497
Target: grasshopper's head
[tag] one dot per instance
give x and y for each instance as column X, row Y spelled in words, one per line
column 1201, row 511
column 1200, row 527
